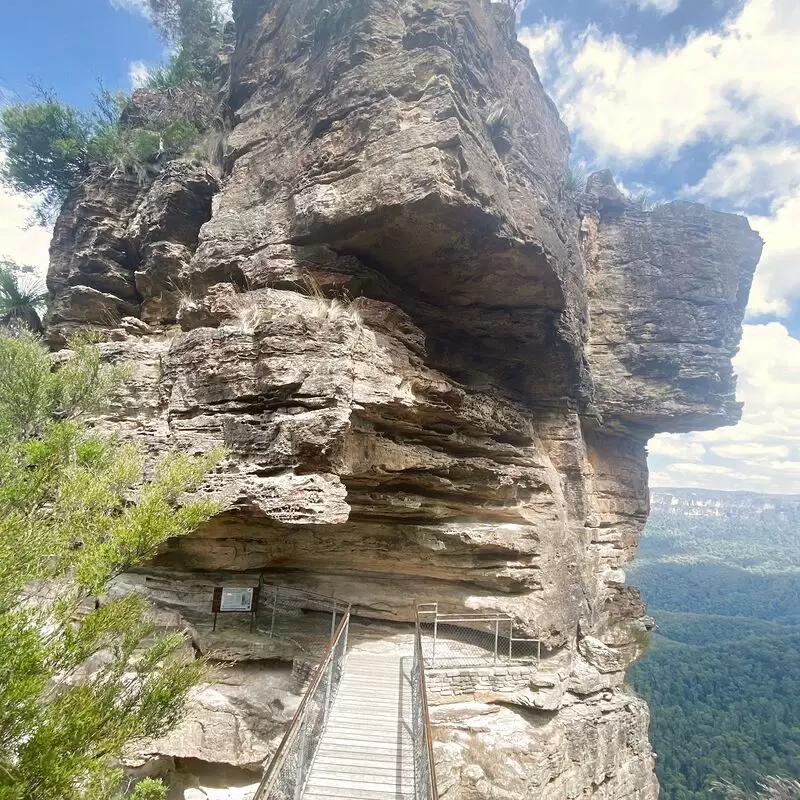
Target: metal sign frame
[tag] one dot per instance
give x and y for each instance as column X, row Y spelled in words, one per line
column 235, row 600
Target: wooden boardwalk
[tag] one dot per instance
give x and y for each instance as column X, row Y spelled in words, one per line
column 366, row 749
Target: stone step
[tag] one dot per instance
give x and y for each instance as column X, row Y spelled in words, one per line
column 348, row 781
column 358, row 764
column 356, row 795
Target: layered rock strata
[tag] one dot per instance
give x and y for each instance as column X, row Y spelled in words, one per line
column 434, row 370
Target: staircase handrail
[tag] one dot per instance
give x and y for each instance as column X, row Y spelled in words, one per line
column 429, row 789
column 293, row 731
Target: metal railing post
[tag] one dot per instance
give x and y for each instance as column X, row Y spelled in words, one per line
column 274, row 608
column 286, row 775
column 510, row 637
column 435, row 633
column 329, row 669
column 496, row 637
column 301, row 763
column 424, row 767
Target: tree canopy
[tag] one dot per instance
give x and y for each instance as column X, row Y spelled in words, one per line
column 51, row 146
column 82, row 674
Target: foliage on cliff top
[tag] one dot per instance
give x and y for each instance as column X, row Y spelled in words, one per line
column 51, row 146
column 194, row 29
column 81, row 675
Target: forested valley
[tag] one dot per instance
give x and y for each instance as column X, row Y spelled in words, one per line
column 721, row 578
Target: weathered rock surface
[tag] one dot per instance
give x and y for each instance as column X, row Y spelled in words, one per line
column 667, row 291
column 596, row 748
column 120, row 247
column 435, row 374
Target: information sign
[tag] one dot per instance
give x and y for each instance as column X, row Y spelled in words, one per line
column 235, row 599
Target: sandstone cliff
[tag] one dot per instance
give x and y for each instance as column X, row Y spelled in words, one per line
column 434, row 370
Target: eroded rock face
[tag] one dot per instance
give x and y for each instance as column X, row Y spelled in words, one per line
column 435, row 374
column 121, row 246
column 667, row 291
column 596, row 748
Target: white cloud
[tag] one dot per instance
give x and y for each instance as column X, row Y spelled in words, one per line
column 700, row 469
column 659, row 6
column 762, row 452
column 735, row 84
column 143, row 6
column 674, row 446
column 139, row 73
column 777, row 281
column 752, row 451
column 542, row 41
column 18, row 242
column 662, row 6
column 770, row 172
column 138, row 6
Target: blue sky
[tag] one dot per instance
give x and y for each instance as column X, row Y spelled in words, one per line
column 690, row 99
column 68, row 45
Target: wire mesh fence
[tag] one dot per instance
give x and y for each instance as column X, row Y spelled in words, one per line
column 472, row 640
column 424, row 768
column 289, row 769
column 303, row 617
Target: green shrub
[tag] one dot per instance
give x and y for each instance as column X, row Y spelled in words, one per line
column 188, row 23
column 180, row 70
column 46, row 147
column 51, row 146
column 138, row 151
column 149, row 789
column 642, row 201
column 22, row 297
column 82, row 674
column 194, row 27
column 574, row 180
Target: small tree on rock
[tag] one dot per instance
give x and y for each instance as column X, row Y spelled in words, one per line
column 22, row 297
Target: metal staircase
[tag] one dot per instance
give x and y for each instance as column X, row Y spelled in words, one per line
column 366, row 750
column 361, row 731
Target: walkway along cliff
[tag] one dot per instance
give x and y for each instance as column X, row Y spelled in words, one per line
column 435, row 371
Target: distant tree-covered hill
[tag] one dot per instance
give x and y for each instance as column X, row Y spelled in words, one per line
column 752, row 531
column 720, row 573
column 713, row 587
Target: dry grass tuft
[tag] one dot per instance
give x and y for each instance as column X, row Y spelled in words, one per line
column 330, row 309
column 249, row 310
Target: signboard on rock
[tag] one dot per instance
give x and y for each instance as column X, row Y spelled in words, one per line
column 235, row 599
